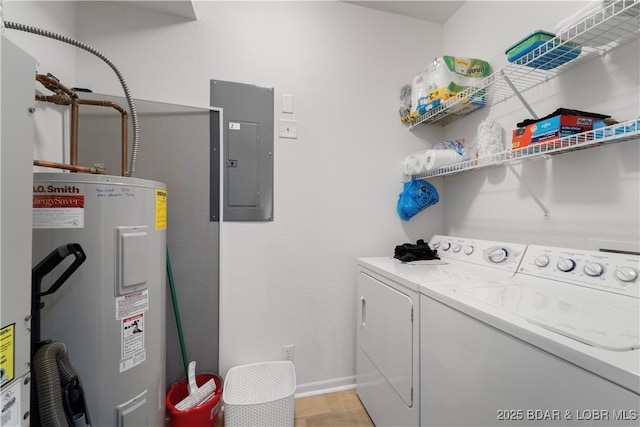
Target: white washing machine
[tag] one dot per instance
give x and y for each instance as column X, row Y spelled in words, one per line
column 557, row 344
column 388, row 335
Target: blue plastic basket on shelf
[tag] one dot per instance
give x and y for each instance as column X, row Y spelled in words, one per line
column 541, row 50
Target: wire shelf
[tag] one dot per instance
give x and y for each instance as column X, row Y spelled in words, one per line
column 620, row 132
column 604, row 30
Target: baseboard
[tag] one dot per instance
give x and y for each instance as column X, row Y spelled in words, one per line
column 328, row 386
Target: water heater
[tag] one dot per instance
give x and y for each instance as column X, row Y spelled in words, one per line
column 111, row 312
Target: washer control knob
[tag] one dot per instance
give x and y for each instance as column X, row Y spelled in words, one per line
column 456, row 248
column 468, row 250
column 542, row 260
column 446, row 246
column 498, row 255
column 566, row 265
column 626, row 274
column 593, row 269
column 436, row 245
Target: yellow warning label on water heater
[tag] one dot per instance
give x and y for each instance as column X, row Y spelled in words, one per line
column 161, row 209
column 7, row 349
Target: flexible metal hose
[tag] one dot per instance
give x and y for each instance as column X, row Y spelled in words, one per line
column 125, row 88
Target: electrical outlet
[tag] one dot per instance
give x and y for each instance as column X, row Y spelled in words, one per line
column 287, row 352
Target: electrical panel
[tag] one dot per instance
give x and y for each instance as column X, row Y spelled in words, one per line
column 247, row 133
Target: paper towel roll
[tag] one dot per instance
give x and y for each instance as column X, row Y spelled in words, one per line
column 411, row 165
column 438, row 158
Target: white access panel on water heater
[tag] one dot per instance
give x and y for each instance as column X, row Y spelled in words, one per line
column 111, row 312
column 131, row 261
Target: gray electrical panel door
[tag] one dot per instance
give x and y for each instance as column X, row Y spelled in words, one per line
column 247, row 133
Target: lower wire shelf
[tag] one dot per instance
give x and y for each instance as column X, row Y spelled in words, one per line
column 620, row 132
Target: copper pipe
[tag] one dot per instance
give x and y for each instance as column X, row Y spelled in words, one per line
column 56, row 99
column 72, row 168
column 54, row 85
column 124, row 136
column 73, row 138
column 65, row 96
column 59, row 89
column 102, row 104
column 124, row 149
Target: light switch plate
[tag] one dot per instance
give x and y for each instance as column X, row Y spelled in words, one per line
column 287, row 104
column 288, row 129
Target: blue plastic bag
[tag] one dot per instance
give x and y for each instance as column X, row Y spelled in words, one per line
column 416, row 196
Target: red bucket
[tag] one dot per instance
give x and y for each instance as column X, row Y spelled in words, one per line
column 203, row 415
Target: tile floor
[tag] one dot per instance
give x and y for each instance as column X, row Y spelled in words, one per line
column 341, row 408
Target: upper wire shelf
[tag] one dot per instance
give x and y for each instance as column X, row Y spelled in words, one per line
column 620, row 132
column 604, row 30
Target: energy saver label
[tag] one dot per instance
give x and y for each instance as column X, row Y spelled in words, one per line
column 58, row 211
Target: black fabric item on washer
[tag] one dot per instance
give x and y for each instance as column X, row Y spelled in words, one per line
column 419, row 251
column 559, row 111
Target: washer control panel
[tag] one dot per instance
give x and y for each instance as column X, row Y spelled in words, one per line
column 505, row 256
column 606, row 271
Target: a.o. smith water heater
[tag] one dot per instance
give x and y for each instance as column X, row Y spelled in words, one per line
column 111, row 312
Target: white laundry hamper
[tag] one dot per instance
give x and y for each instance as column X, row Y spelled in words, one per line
column 260, row 395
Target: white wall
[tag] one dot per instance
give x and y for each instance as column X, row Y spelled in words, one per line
column 52, row 56
column 590, row 194
column 291, row 281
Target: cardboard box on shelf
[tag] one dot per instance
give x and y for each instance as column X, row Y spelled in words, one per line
column 521, row 137
column 549, row 129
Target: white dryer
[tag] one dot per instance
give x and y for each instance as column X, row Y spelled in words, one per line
column 557, row 344
column 388, row 335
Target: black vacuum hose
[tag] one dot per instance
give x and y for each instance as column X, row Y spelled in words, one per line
column 53, row 371
column 48, row 380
